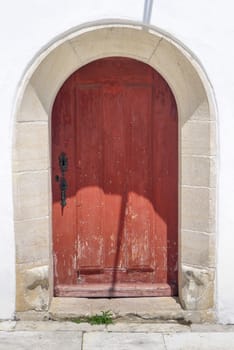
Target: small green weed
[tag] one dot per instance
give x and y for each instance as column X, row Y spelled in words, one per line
column 104, row 318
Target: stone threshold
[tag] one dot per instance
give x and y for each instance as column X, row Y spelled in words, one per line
column 134, row 308
column 137, row 310
column 124, row 310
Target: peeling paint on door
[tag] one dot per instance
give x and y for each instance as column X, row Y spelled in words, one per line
column 116, row 120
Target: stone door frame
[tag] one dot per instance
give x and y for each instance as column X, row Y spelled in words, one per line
column 197, row 157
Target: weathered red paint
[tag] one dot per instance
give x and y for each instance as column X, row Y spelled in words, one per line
column 116, row 119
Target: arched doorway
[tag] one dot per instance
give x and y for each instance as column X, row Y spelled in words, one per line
column 115, row 182
column 197, row 156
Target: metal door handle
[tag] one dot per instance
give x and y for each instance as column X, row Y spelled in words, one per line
column 63, row 164
column 63, row 188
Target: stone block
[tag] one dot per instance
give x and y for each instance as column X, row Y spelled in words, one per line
column 63, row 308
column 32, row 316
column 197, row 288
column 144, row 327
column 31, row 108
column 201, row 113
column 62, row 326
column 32, row 240
column 202, row 341
column 205, row 328
column 130, row 341
column 109, row 42
column 7, row 326
column 32, row 287
column 200, row 316
column 31, row 195
column 31, row 147
column 198, row 209
column 198, row 248
column 165, row 308
column 198, row 171
column 54, row 70
column 198, row 138
column 41, row 340
column 182, row 78
column 37, row 276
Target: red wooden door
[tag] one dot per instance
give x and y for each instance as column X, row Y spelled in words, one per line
column 115, row 120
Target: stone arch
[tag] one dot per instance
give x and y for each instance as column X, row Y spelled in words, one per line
column 31, row 157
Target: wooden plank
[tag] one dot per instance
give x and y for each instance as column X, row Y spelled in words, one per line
column 119, row 290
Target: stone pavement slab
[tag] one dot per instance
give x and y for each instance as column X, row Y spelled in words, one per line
column 199, row 341
column 126, row 341
column 53, row 335
column 117, row 326
column 40, row 340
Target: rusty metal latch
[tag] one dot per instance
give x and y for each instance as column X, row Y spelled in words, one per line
column 63, row 164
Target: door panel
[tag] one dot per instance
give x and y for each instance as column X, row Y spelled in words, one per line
column 116, row 120
column 89, row 179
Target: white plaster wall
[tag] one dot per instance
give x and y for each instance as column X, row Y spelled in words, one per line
column 206, row 27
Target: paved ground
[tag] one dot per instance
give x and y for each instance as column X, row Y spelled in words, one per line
column 52, row 335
